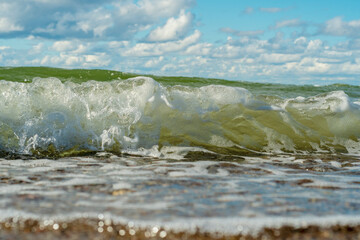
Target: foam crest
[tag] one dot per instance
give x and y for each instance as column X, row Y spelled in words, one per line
column 333, row 102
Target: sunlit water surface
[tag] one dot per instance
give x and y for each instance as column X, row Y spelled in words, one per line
column 230, row 196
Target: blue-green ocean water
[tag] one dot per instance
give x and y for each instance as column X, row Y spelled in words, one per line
column 180, row 154
column 56, row 111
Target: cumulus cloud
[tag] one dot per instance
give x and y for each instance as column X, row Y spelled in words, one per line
column 6, row 26
column 154, row 62
column 37, row 48
column 155, row 49
column 62, row 46
column 149, row 9
column 8, row 21
column 173, row 29
column 4, row 48
column 240, row 48
column 337, row 27
column 314, row 45
column 85, row 19
column 73, row 60
column 279, row 57
column 96, row 22
column 199, row 49
column 118, row 44
column 105, row 34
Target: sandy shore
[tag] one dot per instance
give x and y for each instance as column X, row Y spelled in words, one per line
column 102, row 229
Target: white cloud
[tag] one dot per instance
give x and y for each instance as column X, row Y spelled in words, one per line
column 237, row 49
column 154, row 62
column 74, row 46
column 118, row 44
column 96, row 21
column 338, row 27
column 62, row 46
column 155, row 49
column 4, row 48
column 151, row 9
column 352, row 67
column 335, row 26
column 71, row 60
column 337, row 54
column 279, row 57
column 6, row 26
column 169, row 66
column 133, row 16
column 86, row 19
column 199, row 49
column 37, row 48
column 8, row 15
column 314, row 45
column 288, row 23
column 313, row 65
column 227, row 51
column 96, row 60
column 300, row 40
column 173, row 29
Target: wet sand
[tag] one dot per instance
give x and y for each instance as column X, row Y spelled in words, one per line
column 99, row 229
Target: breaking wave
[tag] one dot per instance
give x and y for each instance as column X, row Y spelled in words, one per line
column 140, row 114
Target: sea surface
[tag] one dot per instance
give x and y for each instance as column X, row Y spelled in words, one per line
column 177, row 153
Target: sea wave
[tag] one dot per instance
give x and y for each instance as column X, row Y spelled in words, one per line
column 48, row 115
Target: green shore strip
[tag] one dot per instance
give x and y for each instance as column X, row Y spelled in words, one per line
column 27, row 74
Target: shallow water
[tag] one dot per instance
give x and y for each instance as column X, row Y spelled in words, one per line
column 50, row 117
column 239, row 196
column 178, row 153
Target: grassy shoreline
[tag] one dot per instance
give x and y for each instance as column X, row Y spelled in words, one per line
column 26, row 74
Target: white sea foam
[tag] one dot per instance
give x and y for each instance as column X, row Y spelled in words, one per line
column 337, row 101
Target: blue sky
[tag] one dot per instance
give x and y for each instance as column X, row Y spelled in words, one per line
column 300, row 42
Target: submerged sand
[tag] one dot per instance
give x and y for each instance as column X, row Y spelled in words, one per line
column 199, row 197
column 83, row 229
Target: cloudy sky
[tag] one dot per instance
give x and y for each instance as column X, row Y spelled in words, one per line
column 307, row 41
